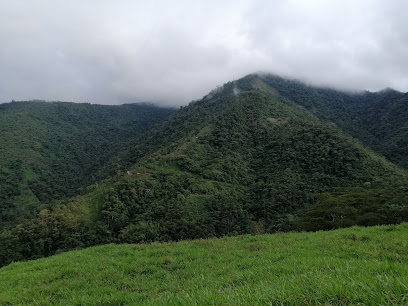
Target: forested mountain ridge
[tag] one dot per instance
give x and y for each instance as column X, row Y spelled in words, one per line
column 49, row 150
column 244, row 159
column 378, row 119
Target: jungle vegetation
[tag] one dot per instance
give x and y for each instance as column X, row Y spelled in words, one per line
column 258, row 155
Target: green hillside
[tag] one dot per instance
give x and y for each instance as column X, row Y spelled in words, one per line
column 378, row 119
column 354, row 266
column 244, row 159
column 50, row 150
column 249, row 164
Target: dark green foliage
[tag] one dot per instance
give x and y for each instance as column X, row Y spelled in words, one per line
column 51, row 150
column 354, row 206
column 11, row 177
column 52, row 231
column 172, row 206
column 258, row 162
column 246, row 164
column 379, row 120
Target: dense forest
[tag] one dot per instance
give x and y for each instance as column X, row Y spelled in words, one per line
column 257, row 155
column 50, row 151
column 379, row 120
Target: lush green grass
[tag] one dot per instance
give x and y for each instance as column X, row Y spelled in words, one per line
column 350, row 266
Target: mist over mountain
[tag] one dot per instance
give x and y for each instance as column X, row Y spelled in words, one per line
column 115, row 52
column 257, row 155
column 245, row 152
column 378, row 119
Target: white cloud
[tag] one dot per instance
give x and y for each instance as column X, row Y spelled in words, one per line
column 175, row 51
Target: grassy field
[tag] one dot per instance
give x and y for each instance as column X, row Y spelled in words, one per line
column 367, row 266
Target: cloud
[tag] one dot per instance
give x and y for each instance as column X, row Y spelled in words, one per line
column 172, row 52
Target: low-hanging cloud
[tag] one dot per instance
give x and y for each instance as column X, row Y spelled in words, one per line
column 171, row 52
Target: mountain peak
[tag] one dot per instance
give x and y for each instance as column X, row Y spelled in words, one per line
column 257, row 155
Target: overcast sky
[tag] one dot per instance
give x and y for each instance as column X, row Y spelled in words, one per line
column 171, row 52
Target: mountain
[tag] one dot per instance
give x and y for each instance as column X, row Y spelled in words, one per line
column 247, row 158
column 353, row 266
column 378, row 119
column 51, row 150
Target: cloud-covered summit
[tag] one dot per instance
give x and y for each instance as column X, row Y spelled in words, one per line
column 174, row 51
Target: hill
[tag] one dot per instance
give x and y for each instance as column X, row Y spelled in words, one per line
column 244, row 159
column 50, row 150
column 378, row 119
column 344, row 267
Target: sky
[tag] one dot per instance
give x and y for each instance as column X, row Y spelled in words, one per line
column 172, row 52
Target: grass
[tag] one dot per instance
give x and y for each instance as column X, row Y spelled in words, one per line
column 366, row 266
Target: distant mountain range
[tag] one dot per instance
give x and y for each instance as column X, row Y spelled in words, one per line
column 258, row 155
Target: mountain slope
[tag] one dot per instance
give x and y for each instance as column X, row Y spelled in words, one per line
column 379, row 120
column 344, row 267
column 251, row 164
column 244, row 159
column 49, row 150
